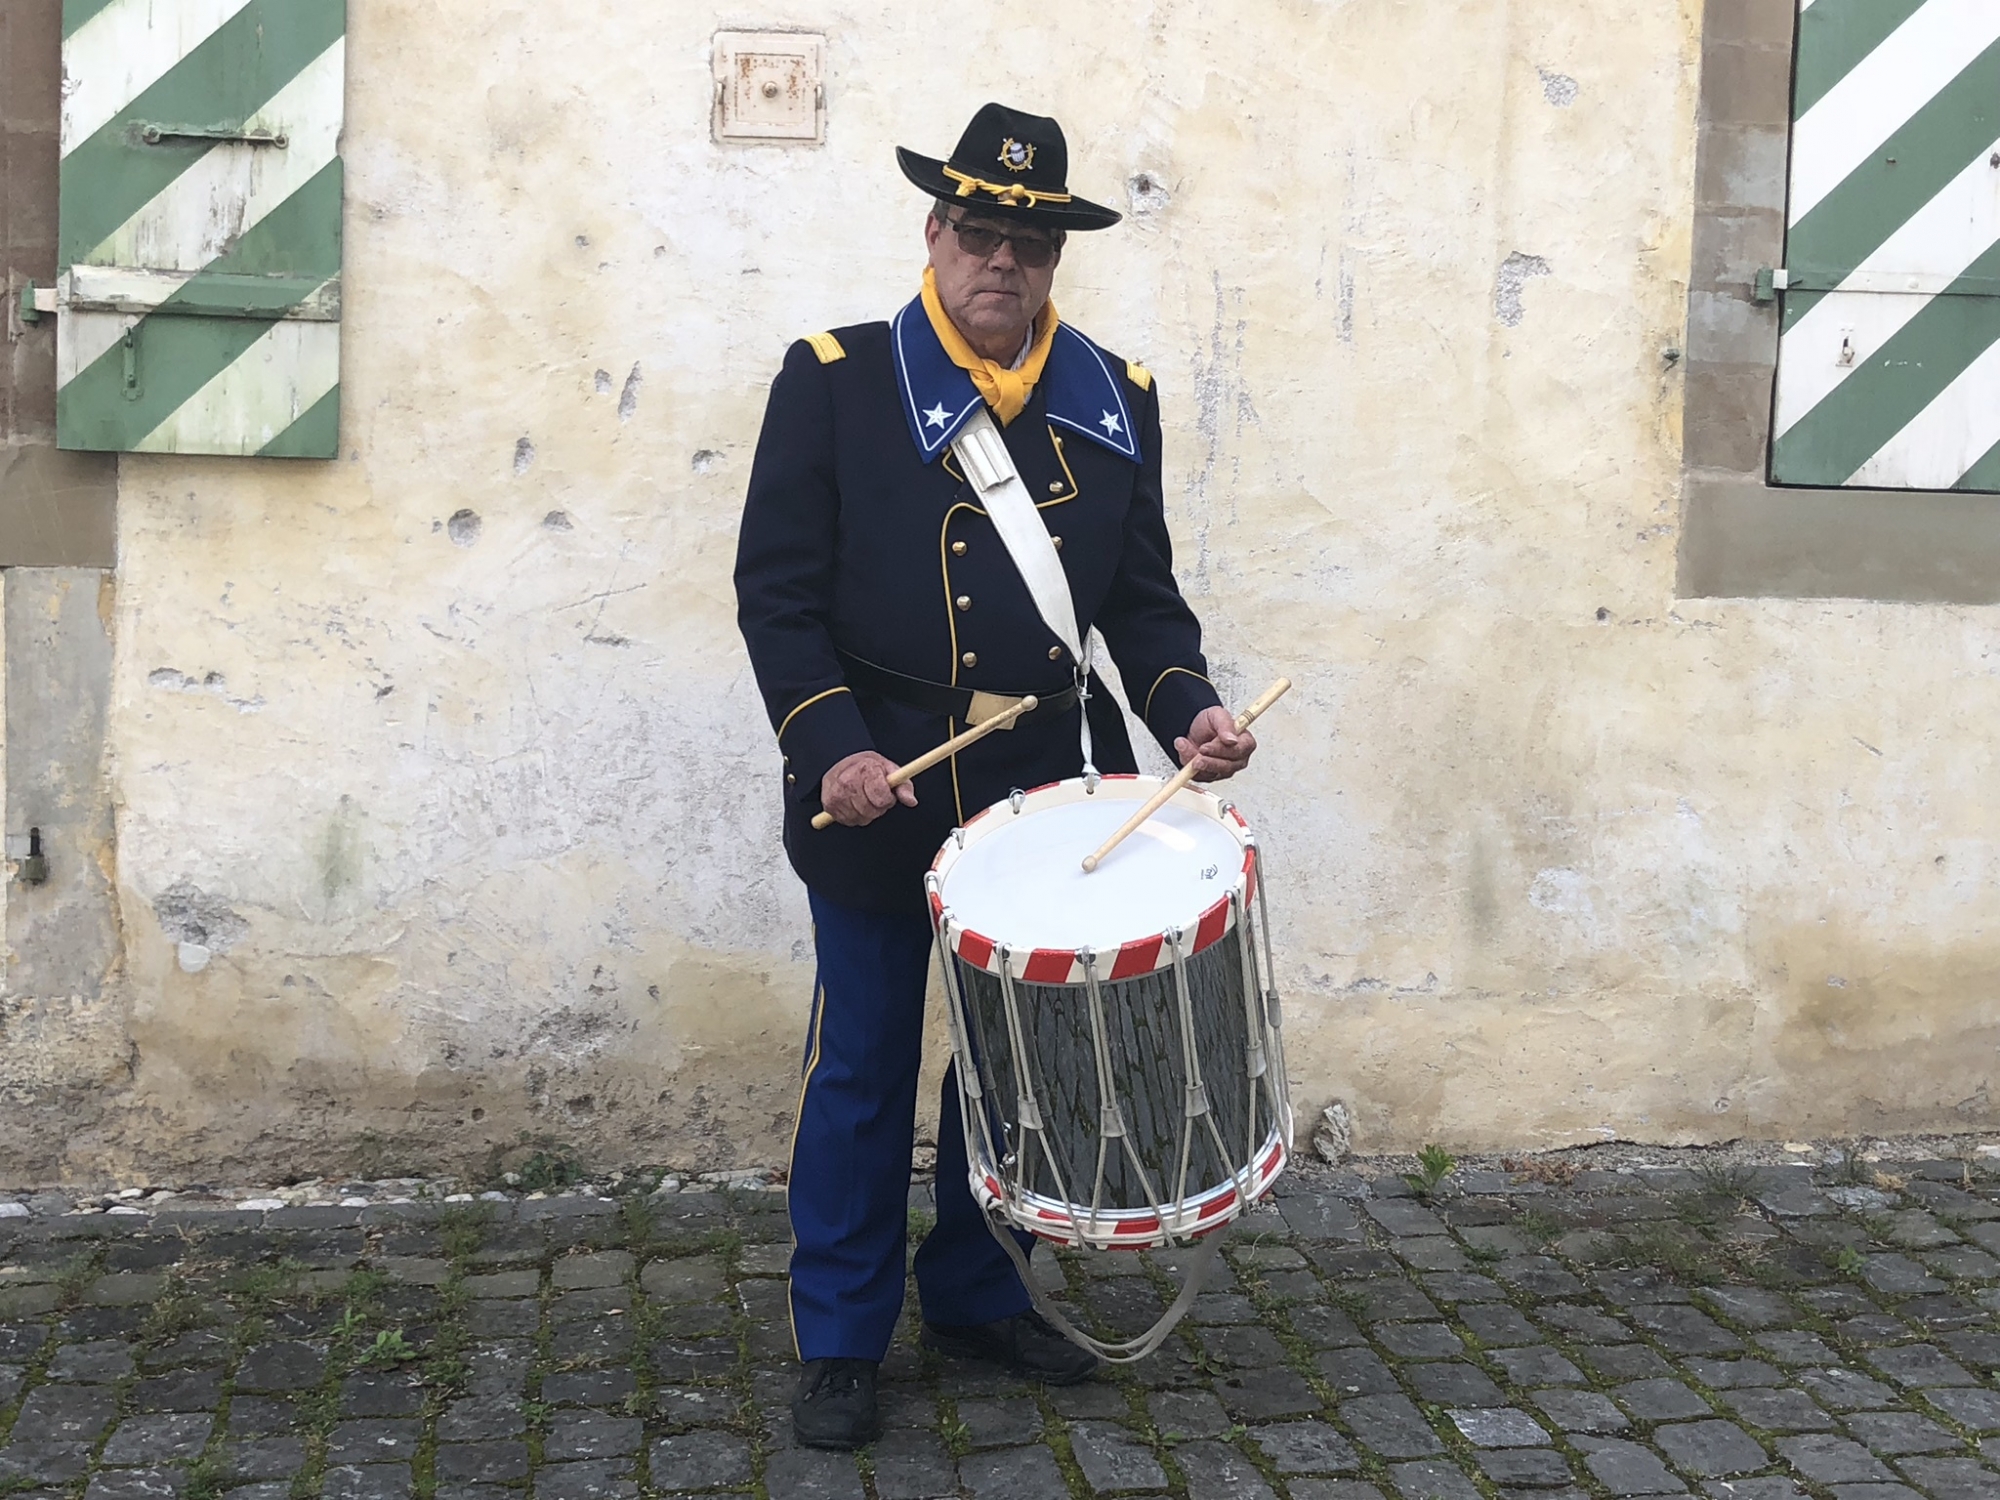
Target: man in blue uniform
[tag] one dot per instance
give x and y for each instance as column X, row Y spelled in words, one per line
column 883, row 613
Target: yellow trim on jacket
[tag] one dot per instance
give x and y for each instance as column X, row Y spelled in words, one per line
column 1147, row 712
column 843, row 688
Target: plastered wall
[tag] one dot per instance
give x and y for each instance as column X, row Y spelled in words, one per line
column 446, row 810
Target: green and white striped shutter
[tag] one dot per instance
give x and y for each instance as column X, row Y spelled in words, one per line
column 1889, row 356
column 199, row 301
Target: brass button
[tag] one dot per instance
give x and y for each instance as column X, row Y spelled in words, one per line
column 963, row 601
column 791, row 780
column 1055, row 486
column 1055, row 653
column 1058, row 541
column 970, row 659
column 958, row 549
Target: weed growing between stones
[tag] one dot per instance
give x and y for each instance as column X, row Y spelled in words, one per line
column 549, row 1171
column 1539, row 1227
column 1434, row 1165
column 73, row 1276
column 262, row 1286
column 1681, row 1256
column 952, row 1431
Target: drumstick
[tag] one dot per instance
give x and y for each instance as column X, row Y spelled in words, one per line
column 1182, row 777
column 950, row 747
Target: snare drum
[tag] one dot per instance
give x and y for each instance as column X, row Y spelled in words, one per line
column 1117, row 1034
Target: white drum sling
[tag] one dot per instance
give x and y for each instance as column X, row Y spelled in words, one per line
column 1117, row 1034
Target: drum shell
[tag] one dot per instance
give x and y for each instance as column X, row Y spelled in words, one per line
column 1151, row 1071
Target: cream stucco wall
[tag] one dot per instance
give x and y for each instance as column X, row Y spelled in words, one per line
column 473, row 805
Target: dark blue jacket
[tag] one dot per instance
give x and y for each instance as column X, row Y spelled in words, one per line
column 860, row 535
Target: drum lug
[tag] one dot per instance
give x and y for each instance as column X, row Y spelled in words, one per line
column 1197, row 1100
column 1014, row 800
column 1091, row 778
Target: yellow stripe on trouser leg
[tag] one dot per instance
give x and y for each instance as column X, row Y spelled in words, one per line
column 813, row 1024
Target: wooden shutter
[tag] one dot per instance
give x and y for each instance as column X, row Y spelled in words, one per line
column 1889, row 356
column 198, row 303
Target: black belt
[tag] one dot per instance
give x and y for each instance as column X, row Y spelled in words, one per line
column 945, row 700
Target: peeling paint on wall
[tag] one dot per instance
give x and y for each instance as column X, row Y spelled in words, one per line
column 1515, row 272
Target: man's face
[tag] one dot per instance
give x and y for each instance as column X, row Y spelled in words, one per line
column 991, row 296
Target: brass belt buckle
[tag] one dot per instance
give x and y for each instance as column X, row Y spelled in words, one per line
column 986, row 705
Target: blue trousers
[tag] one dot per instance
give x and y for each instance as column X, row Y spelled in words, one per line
column 850, row 1174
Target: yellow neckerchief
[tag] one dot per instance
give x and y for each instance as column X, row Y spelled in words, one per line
column 1005, row 390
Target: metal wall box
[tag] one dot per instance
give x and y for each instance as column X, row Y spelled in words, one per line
column 770, row 86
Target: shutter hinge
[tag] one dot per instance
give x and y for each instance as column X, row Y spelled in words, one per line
column 36, row 300
column 1770, row 282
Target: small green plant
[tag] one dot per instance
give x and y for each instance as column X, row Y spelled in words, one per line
column 1851, row 1169
column 1347, row 1300
column 362, row 1288
column 388, row 1351
column 73, row 1278
column 1539, row 1226
column 1881, row 1228
column 1679, row 1257
column 548, row 1170
column 1434, row 1164
column 1850, row 1262
column 1208, row 1364
column 1483, row 1255
column 1730, row 1182
column 921, row 1220
column 462, row 1228
column 249, row 1331
column 638, row 1216
column 205, row 1478
column 353, row 1323
column 1697, row 1209
column 177, row 1312
column 271, row 1281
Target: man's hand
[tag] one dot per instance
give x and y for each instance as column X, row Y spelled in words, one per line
column 1218, row 748
column 857, row 791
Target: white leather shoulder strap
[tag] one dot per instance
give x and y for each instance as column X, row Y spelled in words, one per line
column 989, row 468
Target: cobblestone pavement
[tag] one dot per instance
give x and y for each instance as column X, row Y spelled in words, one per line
column 1710, row 1330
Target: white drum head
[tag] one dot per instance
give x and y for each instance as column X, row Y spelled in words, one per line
column 1019, row 878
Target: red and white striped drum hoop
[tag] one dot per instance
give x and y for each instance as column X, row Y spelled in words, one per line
column 1117, row 1033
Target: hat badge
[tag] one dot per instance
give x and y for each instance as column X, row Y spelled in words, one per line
column 1016, row 156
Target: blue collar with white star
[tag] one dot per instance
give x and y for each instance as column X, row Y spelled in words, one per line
column 1079, row 383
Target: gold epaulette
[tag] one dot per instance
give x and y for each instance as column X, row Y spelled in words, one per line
column 1138, row 374
column 826, row 346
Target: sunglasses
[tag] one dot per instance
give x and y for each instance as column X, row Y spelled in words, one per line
column 1031, row 250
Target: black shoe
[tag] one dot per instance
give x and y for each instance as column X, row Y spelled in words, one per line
column 834, row 1406
column 1026, row 1344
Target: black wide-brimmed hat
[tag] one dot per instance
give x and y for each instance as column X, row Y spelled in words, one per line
column 1010, row 164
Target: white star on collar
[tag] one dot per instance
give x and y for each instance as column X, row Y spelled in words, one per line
column 1110, row 423
column 936, row 416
